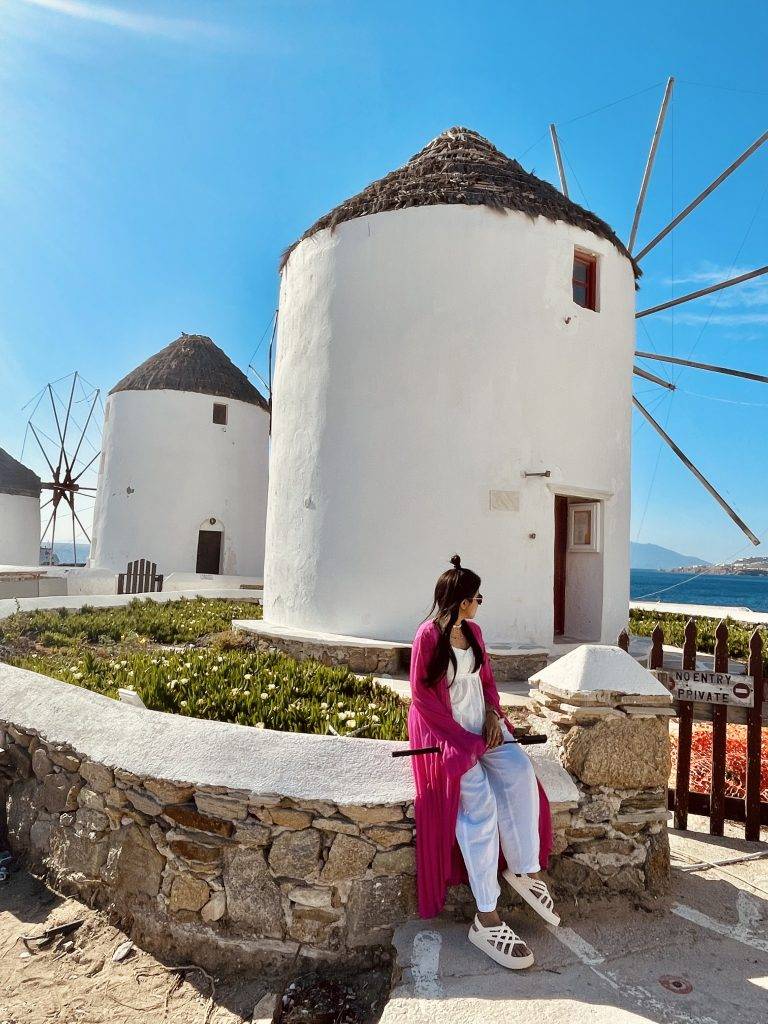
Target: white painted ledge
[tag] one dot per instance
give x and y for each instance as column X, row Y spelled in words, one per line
column 204, row 753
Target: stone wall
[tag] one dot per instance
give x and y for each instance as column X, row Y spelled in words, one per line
column 238, row 846
column 212, row 869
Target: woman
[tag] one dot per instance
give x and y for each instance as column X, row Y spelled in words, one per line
column 480, row 792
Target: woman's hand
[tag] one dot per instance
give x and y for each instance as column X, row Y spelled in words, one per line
column 492, row 730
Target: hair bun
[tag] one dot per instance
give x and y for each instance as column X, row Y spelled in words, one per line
column 456, row 562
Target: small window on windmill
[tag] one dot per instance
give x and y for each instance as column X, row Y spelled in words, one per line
column 220, row 413
column 585, row 280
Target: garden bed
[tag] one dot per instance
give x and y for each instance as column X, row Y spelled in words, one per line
column 181, row 658
column 642, row 623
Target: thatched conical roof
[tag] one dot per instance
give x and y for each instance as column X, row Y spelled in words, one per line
column 462, row 167
column 192, row 363
column 15, row 478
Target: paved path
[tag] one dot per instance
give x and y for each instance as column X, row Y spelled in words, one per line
column 702, row 959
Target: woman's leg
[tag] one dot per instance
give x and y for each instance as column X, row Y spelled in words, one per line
column 513, row 783
column 477, row 832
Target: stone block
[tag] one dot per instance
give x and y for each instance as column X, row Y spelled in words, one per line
column 139, row 867
column 90, row 823
column 193, row 852
column 657, row 867
column 169, row 792
column 378, row 815
column 41, row 763
column 253, row 899
column 296, row 854
column 188, row 816
column 621, row 754
column 310, row 896
column 251, row 833
column 98, row 776
column 40, row 836
column 188, row 893
column 290, row 817
column 349, row 857
column 75, row 858
column 55, row 791
column 401, row 861
column 215, row 908
column 22, row 738
column 313, row 926
column 20, row 760
column 380, row 903
column 387, row 837
column 336, row 825
column 90, row 799
column 144, row 802
column 64, row 760
column 220, row 806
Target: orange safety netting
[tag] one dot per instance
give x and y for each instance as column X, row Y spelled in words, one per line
column 735, row 761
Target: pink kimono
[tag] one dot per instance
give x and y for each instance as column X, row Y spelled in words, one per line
column 431, row 723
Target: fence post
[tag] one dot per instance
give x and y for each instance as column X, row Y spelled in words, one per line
column 754, row 739
column 657, row 647
column 623, row 640
column 719, row 733
column 685, row 733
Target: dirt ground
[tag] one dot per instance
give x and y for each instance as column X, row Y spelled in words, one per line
column 85, row 986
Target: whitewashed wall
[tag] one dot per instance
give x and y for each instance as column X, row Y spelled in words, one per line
column 19, row 529
column 425, row 357
column 167, row 469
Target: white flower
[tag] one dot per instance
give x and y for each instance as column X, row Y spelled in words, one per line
column 372, row 707
column 271, row 686
column 340, row 705
column 184, row 679
column 183, row 703
column 260, row 725
column 130, row 673
column 264, row 695
column 324, row 705
column 248, row 675
column 375, row 718
column 351, row 723
column 219, row 659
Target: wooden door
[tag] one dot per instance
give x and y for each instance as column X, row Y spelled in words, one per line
column 561, row 545
column 208, row 551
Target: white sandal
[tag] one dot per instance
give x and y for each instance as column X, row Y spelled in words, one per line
column 535, row 894
column 499, row 942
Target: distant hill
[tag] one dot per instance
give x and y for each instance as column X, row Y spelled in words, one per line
column 63, row 553
column 651, row 556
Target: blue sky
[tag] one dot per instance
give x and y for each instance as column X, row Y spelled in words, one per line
column 158, row 156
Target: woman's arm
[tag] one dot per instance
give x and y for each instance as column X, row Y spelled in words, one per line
column 460, row 747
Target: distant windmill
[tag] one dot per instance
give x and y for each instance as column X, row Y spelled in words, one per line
column 648, row 247
column 67, row 442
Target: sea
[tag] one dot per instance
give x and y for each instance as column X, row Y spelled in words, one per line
column 678, row 588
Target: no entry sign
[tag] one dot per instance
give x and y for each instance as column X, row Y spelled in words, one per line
column 711, row 687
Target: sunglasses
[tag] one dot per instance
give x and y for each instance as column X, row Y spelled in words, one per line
column 479, row 598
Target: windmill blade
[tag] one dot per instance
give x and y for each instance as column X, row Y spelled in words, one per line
column 703, row 366
column 704, row 291
column 66, row 421
column 85, row 428
column 85, row 468
column 697, row 473
column 640, row 372
column 650, row 162
column 40, row 446
column 702, row 196
column 559, row 160
column 71, row 501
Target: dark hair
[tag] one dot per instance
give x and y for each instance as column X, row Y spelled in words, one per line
column 454, row 586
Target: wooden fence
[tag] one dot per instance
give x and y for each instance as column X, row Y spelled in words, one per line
column 716, row 804
column 141, row 577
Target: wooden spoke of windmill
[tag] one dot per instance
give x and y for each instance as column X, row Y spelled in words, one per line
column 65, row 481
column 640, row 372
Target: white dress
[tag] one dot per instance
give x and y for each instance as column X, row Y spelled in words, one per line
column 499, row 801
column 466, row 690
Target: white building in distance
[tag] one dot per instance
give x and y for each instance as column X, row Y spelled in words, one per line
column 453, row 373
column 184, row 466
column 19, row 513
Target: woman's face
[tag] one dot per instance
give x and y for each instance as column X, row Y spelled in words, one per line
column 469, row 607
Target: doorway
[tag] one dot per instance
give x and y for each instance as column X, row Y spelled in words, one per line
column 209, row 551
column 577, row 568
column 561, row 551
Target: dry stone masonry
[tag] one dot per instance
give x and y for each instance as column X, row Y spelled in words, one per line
column 241, row 847
column 607, row 720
